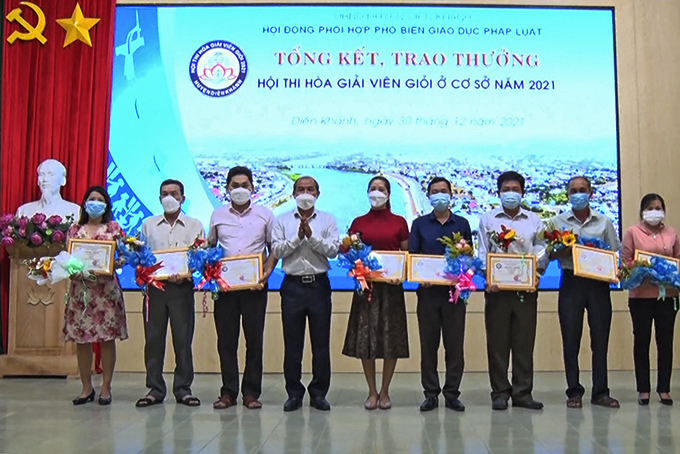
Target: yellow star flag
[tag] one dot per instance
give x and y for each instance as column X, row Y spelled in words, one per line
column 77, row 27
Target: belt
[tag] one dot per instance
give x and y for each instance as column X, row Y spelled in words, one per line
column 307, row 279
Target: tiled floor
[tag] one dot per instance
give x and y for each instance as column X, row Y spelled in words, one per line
column 36, row 416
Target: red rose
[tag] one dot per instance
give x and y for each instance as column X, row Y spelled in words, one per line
column 58, row 236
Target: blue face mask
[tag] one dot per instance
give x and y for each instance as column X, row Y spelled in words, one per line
column 95, row 209
column 440, row 201
column 579, row 200
column 510, row 199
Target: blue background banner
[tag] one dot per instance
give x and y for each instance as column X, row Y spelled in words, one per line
column 342, row 93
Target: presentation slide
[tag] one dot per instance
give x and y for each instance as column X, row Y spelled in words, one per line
column 343, row 93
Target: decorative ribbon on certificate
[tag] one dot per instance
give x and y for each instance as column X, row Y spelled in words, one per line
column 361, row 273
column 144, row 278
column 212, row 276
column 464, row 285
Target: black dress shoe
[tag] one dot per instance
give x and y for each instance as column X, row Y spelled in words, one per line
column 429, row 404
column 292, row 404
column 499, row 403
column 455, row 404
column 84, row 400
column 105, row 401
column 643, row 402
column 320, row 403
column 667, row 402
column 531, row 404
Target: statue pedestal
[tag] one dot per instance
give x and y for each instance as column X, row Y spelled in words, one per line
column 36, row 319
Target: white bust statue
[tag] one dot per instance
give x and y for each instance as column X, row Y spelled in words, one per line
column 51, row 177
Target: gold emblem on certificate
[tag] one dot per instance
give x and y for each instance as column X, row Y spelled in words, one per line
column 642, row 255
column 511, row 271
column 174, row 263
column 427, row 268
column 393, row 266
column 242, row 272
column 595, row 263
column 97, row 255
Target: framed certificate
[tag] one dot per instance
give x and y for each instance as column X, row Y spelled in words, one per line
column 393, row 266
column 642, row 255
column 97, row 255
column 242, row 272
column 427, row 268
column 174, row 262
column 595, row 263
column 511, row 271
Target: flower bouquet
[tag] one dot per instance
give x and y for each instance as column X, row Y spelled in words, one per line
column 461, row 266
column 50, row 270
column 504, row 238
column 362, row 265
column 203, row 259
column 35, row 231
column 558, row 239
column 138, row 255
column 657, row 271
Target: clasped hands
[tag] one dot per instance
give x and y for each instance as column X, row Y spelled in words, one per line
column 304, row 230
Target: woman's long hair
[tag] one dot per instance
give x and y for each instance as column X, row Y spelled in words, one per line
column 108, row 214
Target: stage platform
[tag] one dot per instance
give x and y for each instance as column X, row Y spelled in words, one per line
column 36, row 416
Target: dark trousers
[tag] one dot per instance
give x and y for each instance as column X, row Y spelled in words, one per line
column 439, row 318
column 644, row 311
column 176, row 304
column 299, row 302
column 510, row 319
column 576, row 295
column 247, row 307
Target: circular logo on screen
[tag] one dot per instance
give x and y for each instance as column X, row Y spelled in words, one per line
column 218, row 68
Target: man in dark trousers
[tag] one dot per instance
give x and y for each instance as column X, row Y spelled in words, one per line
column 242, row 228
column 305, row 239
column 437, row 317
column 578, row 294
column 509, row 315
column 171, row 230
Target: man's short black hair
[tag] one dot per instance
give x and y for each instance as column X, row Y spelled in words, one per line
column 436, row 180
column 510, row 175
column 580, row 177
column 239, row 170
column 171, row 181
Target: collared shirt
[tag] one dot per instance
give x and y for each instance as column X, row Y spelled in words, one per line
column 309, row 255
column 527, row 227
column 242, row 233
column 426, row 230
column 161, row 236
column 596, row 225
column 640, row 238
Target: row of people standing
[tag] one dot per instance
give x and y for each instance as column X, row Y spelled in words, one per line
column 305, row 238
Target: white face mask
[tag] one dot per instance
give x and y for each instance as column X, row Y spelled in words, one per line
column 305, row 201
column 170, row 204
column 239, row 196
column 653, row 217
column 377, row 199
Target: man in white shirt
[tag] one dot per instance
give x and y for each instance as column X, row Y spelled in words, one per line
column 171, row 230
column 510, row 316
column 305, row 239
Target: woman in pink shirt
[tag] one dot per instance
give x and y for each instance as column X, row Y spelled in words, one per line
column 652, row 235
